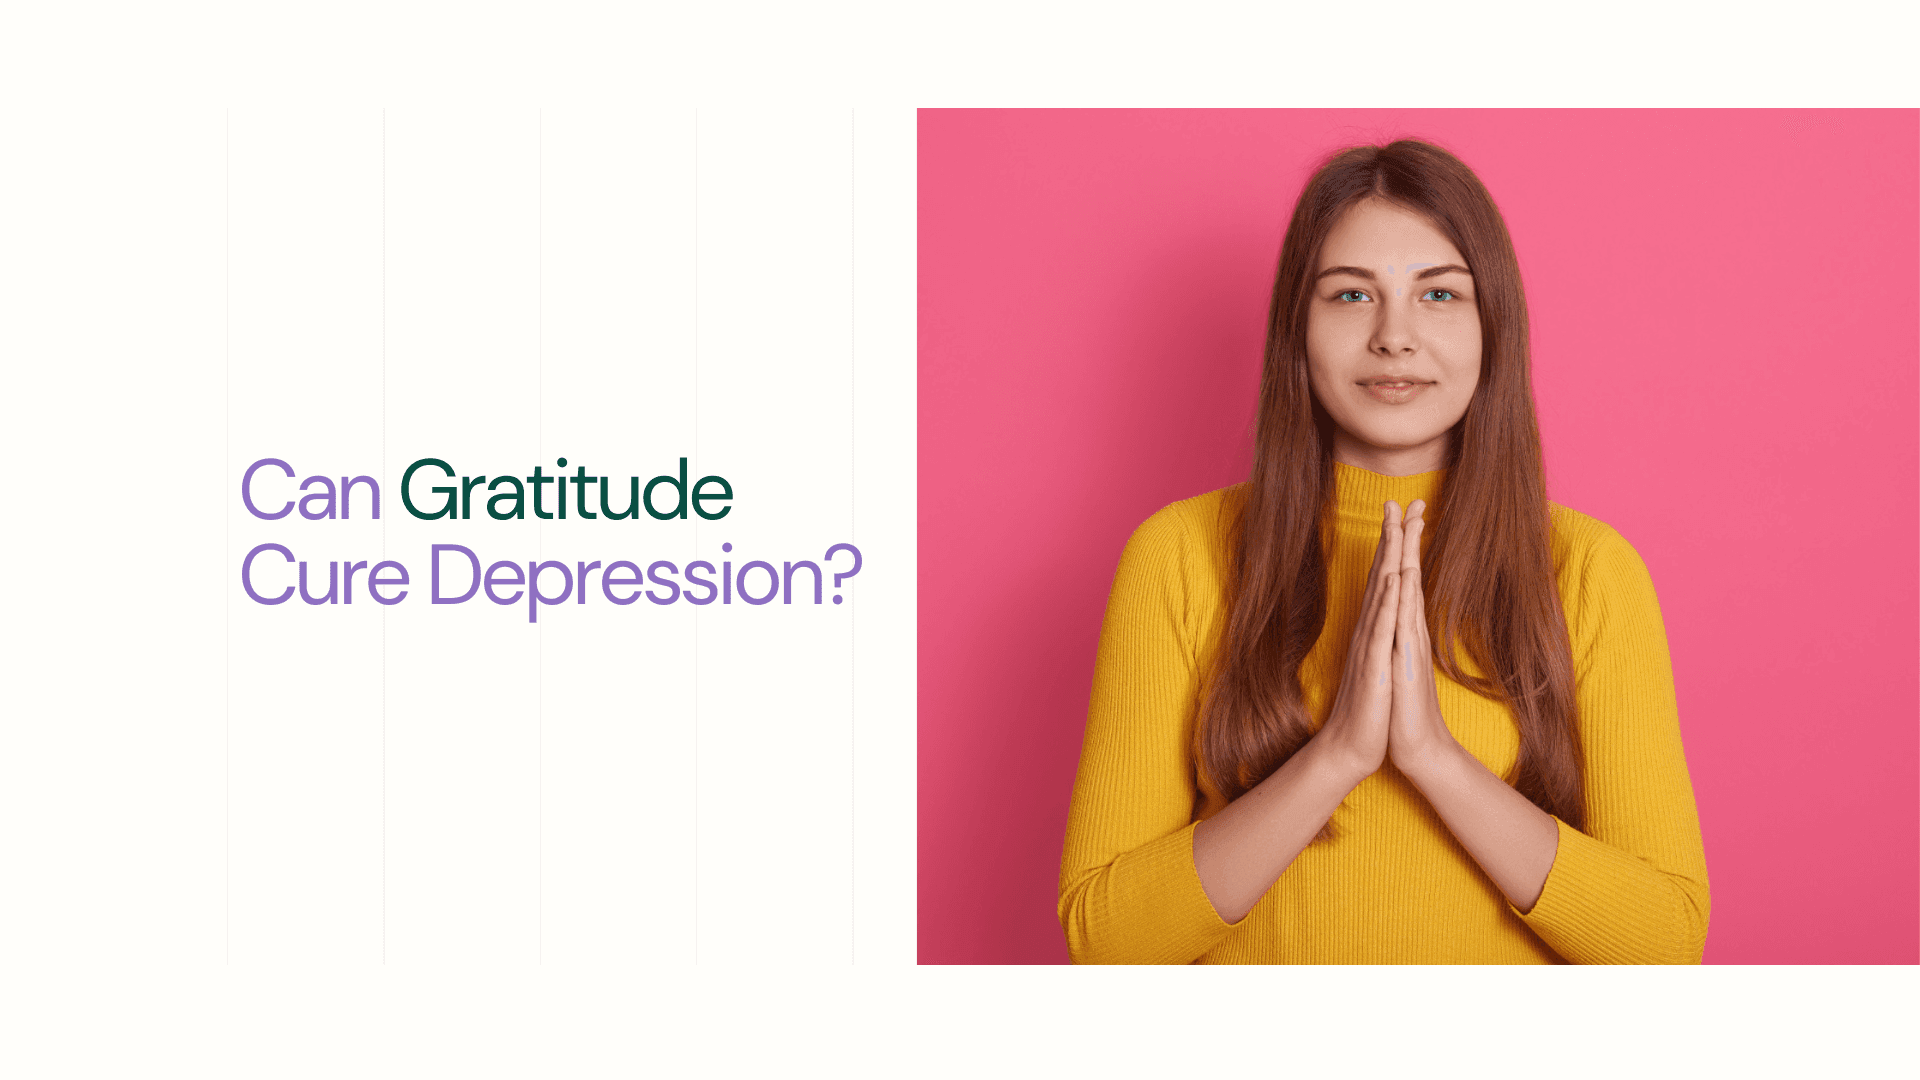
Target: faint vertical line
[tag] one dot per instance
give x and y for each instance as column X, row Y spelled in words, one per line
column 853, row 352
column 226, row 329
column 696, row 614
column 383, row 535
column 540, row 637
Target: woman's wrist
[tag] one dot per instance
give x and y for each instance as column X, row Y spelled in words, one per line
column 1338, row 760
column 1428, row 760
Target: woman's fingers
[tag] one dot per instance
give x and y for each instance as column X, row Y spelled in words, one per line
column 1369, row 660
column 1392, row 532
column 1391, row 528
column 1416, row 524
column 1373, row 631
column 1386, row 556
column 1412, row 651
column 1380, row 642
column 1408, row 620
column 1417, row 586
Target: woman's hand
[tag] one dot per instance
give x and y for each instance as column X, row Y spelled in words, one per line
column 1514, row 841
column 1417, row 732
column 1386, row 705
column 1358, row 724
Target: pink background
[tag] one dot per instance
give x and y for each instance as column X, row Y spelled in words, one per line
column 1724, row 338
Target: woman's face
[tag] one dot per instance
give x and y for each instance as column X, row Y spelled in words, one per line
column 1393, row 339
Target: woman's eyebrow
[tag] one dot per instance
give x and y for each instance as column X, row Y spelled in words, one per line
column 1362, row 272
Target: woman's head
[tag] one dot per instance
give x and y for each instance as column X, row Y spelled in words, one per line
column 1380, row 361
column 1397, row 270
column 1393, row 338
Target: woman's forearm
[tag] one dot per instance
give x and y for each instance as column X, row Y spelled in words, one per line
column 1513, row 840
column 1241, row 851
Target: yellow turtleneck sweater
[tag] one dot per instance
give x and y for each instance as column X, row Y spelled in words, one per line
column 1393, row 886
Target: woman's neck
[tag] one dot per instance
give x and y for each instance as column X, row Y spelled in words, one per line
column 1391, row 461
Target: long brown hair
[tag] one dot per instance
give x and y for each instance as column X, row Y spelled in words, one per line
column 1488, row 571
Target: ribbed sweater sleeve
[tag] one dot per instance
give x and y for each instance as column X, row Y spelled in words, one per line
column 1129, row 892
column 1632, row 886
column 1628, row 886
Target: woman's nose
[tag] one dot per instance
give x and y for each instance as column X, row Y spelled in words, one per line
column 1393, row 331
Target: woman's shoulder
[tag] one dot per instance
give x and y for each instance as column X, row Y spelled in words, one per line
column 1175, row 566
column 1186, row 541
column 1591, row 558
column 1202, row 522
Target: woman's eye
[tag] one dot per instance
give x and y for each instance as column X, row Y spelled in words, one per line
column 1439, row 294
column 1352, row 296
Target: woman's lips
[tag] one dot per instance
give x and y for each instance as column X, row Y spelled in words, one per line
column 1394, row 391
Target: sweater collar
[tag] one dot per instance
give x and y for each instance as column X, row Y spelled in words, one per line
column 1360, row 496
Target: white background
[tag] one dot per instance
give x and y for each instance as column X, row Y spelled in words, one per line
column 350, row 291
column 415, row 839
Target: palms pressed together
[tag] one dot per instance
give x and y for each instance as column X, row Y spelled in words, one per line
column 1388, row 706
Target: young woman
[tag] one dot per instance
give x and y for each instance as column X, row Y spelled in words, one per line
column 1384, row 703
